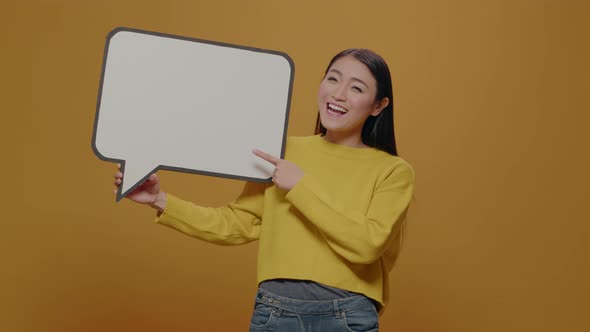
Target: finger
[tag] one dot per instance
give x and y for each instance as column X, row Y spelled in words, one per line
column 117, row 182
column 119, row 166
column 271, row 159
column 153, row 178
column 119, row 175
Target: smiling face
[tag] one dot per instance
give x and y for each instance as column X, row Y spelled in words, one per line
column 346, row 99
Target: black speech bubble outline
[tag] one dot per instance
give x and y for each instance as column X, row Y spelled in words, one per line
column 111, row 34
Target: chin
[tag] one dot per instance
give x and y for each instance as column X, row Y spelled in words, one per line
column 326, row 123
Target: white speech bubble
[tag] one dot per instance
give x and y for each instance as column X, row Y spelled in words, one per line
column 189, row 105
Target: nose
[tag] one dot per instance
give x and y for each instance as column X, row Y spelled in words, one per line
column 339, row 92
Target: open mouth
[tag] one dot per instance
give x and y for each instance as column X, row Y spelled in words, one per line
column 336, row 110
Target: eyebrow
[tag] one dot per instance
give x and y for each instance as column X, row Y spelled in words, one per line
column 353, row 78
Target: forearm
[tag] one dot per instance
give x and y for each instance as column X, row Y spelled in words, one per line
column 358, row 234
column 237, row 223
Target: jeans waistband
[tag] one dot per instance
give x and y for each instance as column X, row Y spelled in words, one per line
column 312, row 307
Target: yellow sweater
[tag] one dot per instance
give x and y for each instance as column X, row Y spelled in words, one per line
column 340, row 225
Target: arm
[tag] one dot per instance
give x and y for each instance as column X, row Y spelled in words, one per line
column 234, row 224
column 358, row 238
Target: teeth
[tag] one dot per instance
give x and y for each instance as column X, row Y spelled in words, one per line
column 337, row 108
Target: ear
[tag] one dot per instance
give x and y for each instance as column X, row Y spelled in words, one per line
column 380, row 106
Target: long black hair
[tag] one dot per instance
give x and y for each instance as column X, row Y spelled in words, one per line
column 378, row 131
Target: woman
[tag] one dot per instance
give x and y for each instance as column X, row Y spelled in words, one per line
column 330, row 224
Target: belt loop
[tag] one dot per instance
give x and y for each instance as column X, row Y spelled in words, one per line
column 336, row 309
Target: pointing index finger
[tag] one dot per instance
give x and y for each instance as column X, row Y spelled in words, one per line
column 271, row 159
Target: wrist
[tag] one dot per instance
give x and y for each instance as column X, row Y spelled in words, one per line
column 159, row 202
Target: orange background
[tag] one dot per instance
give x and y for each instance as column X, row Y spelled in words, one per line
column 491, row 110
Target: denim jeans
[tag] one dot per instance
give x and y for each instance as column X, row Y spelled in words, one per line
column 276, row 313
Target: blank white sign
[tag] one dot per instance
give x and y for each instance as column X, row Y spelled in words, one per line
column 183, row 104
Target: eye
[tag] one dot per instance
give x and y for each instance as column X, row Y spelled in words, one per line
column 331, row 78
column 357, row 89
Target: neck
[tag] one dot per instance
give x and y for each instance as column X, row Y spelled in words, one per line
column 354, row 141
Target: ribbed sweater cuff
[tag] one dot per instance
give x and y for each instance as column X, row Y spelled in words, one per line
column 302, row 193
column 171, row 214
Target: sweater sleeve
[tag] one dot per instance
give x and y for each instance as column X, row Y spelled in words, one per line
column 237, row 223
column 357, row 237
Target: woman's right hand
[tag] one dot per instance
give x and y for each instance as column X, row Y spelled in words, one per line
column 147, row 193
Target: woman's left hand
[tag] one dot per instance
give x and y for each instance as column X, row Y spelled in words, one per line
column 286, row 174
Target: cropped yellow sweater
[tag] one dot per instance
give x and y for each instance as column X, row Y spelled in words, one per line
column 340, row 225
